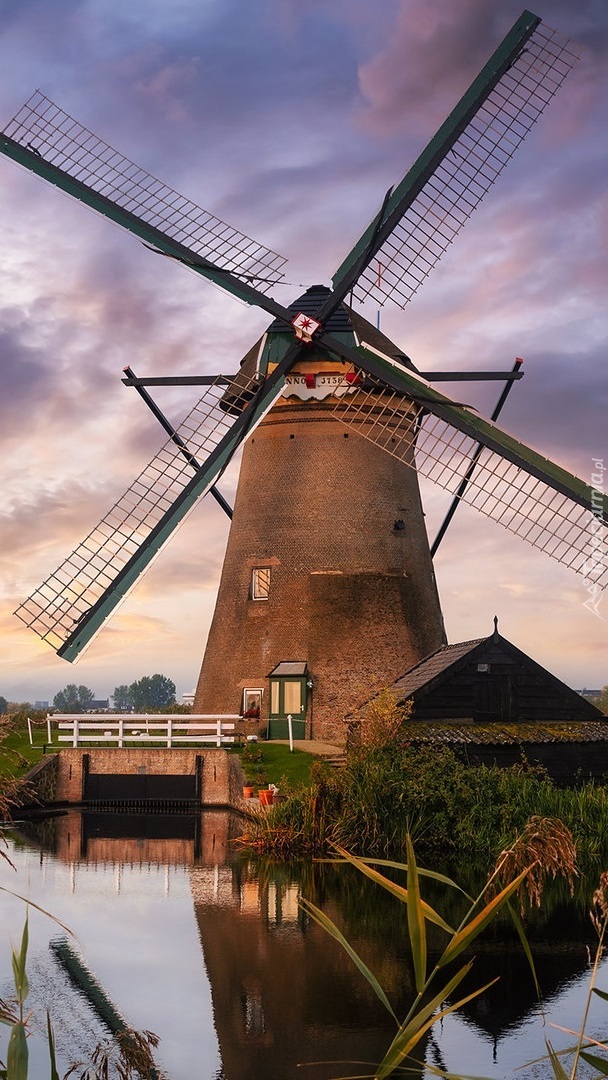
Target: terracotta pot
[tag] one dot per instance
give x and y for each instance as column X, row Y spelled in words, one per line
column 265, row 798
column 248, row 791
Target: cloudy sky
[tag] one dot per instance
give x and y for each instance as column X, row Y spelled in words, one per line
column 289, row 119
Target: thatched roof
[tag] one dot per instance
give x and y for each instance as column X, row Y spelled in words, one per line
column 496, row 733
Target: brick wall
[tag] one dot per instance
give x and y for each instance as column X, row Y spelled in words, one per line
column 350, row 595
column 218, row 789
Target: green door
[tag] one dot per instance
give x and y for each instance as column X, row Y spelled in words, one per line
column 287, row 698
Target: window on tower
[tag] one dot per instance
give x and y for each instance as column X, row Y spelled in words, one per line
column 252, row 703
column 260, row 583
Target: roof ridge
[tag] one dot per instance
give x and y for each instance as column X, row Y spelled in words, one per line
column 442, row 649
column 434, row 664
column 459, row 644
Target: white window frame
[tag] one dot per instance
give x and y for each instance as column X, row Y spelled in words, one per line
column 249, row 693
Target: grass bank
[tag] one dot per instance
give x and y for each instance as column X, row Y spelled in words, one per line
column 16, row 754
column 385, row 794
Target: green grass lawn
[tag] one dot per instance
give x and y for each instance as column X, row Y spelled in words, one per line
column 16, row 754
column 279, row 765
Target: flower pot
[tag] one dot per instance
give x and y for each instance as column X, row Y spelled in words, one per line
column 248, row 791
column 265, row 798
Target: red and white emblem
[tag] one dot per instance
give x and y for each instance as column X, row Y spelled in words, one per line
column 304, row 326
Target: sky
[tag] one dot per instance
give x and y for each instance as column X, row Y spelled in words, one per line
column 289, row 119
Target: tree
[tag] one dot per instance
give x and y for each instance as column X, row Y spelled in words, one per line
column 73, row 699
column 152, row 692
column 3, row 706
column 122, row 698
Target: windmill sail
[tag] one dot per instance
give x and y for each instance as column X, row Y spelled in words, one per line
column 513, row 484
column 72, row 604
column 437, row 196
column 53, row 144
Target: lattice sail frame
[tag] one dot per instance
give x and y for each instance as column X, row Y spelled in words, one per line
column 462, row 178
column 54, row 609
column 45, row 129
column 574, row 535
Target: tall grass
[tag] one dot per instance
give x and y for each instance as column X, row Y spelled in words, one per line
column 386, row 793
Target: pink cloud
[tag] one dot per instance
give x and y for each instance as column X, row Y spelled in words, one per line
column 432, row 54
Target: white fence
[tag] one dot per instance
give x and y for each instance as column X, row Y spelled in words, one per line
column 141, row 728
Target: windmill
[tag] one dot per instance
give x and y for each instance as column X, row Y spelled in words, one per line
column 327, row 589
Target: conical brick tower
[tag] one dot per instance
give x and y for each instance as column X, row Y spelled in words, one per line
column 327, row 591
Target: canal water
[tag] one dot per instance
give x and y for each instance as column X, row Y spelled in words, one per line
column 188, row 938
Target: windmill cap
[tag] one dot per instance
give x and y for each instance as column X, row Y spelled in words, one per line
column 308, row 304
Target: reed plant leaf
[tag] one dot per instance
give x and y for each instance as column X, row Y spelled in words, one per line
column 42, row 910
column 564, row 1052
column 601, row 1064
column 8, row 1016
column 330, row 927
column 17, row 1054
column 51, row 1042
column 600, row 993
column 434, row 1070
column 519, row 926
column 584, row 1043
column 463, row 938
column 391, row 864
column 559, row 1072
column 415, row 919
column 19, row 960
column 396, row 890
column 411, row 1033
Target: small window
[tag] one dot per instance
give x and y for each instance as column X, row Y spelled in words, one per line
column 274, row 696
column 483, row 667
column 260, row 583
column 252, row 704
column 292, row 696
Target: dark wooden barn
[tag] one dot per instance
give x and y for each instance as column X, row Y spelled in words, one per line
column 488, row 679
column 492, row 704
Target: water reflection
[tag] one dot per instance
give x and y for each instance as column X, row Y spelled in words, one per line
column 494, row 1035
column 192, row 941
column 213, row 953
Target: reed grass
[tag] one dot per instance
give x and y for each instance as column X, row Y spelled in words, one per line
column 544, row 850
column 386, row 793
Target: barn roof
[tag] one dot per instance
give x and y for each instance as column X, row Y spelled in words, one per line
column 433, row 665
column 494, row 733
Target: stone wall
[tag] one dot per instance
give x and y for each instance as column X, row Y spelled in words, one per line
column 42, row 782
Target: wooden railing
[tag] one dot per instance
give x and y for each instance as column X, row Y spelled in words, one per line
column 143, row 728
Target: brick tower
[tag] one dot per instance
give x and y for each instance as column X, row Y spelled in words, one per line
column 327, row 591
